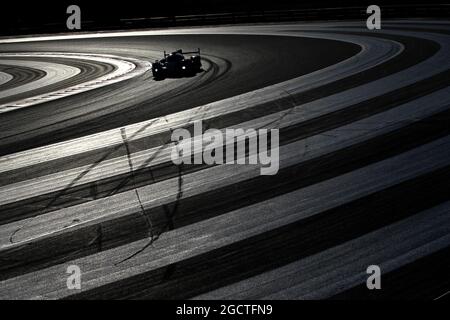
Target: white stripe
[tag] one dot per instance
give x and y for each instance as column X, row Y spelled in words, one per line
column 212, row 30
column 439, row 62
column 340, row 268
column 125, row 68
column 183, row 243
column 5, row 77
column 54, row 72
column 166, row 191
column 375, row 51
column 442, row 295
column 395, row 118
column 212, row 178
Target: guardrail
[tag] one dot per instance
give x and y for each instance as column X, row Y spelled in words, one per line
column 257, row 16
column 439, row 11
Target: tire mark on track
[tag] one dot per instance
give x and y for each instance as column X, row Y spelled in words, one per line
column 280, row 246
column 295, row 132
column 21, row 76
column 145, row 217
column 184, row 211
column 89, row 70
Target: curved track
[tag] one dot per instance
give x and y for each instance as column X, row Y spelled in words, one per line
column 16, row 76
column 87, row 178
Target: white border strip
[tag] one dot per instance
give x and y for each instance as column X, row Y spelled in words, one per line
column 125, row 68
column 5, row 77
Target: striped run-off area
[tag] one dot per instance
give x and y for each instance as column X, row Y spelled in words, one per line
column 364, row 172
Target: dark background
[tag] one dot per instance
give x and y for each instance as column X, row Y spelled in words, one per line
column 24, row 17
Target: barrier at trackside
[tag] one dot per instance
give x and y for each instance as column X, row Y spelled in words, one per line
column 257, row 16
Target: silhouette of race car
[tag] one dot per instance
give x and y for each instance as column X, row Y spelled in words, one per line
column 176, row 65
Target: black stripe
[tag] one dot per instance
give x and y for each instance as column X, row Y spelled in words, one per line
column 80, row 194
column 426, row 278
column 89, row 70
column 278, row 247
column 416, row 50
column 308, row 128
column 219, row 201
column 118, row 183
column 21, row 75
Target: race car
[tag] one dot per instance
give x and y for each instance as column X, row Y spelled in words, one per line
column 175, row 65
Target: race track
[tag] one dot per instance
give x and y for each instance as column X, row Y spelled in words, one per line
column 86, row 176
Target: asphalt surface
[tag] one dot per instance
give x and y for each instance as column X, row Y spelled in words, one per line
column 16, row 76
column 228, row 73
column 364, row 121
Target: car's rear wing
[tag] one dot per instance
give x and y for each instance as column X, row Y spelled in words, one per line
column 191, row 52
column 181, row 51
